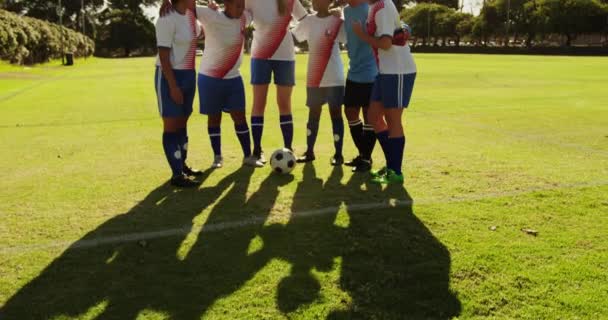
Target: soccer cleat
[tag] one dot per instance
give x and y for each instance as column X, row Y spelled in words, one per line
column 363, row 166
column 260, row 156
column 183, row 181
column 252, row 161
column 218, row 162
column 306, row 157
column 354, row 162
column 379, row 173
column 192, row 172
column 391, row 177
column 337, row 160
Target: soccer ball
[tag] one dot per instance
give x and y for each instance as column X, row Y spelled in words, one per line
column 282, row 161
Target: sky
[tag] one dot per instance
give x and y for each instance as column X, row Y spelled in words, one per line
column 470, row 6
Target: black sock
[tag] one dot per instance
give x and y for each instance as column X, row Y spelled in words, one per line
column 368, row 141
column 356, row 132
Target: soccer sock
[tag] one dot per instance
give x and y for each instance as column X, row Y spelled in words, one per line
column 287, row 129
column 312, row 129
column 257, row 126
column 337, row 126
column 242, row 132
column 216, row 140
column 183, row 134
column 397, row 145
column 356, row 132
column 171, row 145
column 383, row 140
column 368, row 141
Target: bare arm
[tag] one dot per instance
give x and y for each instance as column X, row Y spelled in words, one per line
column 165, row 65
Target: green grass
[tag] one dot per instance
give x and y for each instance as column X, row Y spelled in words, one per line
column 507, row 141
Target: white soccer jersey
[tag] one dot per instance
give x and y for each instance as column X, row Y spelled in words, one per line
column 178, row 32
column 271, row 38
column 224, row 38
column 383, row 19
column 325, row 67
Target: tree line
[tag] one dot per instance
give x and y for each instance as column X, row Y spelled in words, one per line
column 121, row 28
column 508, row 22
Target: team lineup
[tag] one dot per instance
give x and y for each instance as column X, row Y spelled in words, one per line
column 378, row 85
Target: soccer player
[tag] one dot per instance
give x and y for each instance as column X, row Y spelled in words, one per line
column 360, row 79
column 393, row 86
column 272, row 53
column 175, row 84
column 325, row 78
column 220, row 85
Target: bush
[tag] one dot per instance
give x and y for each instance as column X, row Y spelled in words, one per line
column 25, row 40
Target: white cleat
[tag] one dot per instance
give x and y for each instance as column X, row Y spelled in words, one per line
column 252, row 161
column 218, row 162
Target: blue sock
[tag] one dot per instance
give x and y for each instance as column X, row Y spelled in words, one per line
column 337, row 126
column 183, row 135
column 242, row 132
column 383, row 140
column 397, row 145
column 215, row 135
column 257, row 126
column 312, row 129
column 287, row 129
column 171, row 145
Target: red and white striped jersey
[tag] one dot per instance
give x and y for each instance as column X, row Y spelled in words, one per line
column 325, row 67
column 383, row 20
column 179, row 33
column 224, row 38
column 271, row 37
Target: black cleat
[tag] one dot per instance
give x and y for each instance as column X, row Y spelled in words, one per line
column 363, row 166
column 183, row 182
column 306, row 157
column 354, row 162
column 337, row 160
column 192, row 172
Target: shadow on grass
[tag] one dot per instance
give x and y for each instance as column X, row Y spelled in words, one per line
column 391, row 264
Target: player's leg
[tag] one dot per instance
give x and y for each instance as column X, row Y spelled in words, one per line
column 174, row 118
column 375, row 115
column 335, row 99
column 261, row 73
column 188, row 94
column 352, row 112
column 284, row 79
column 396, row 141
column 211, row 92
column 236, row 107
column 312, row 130
column 368, row 136
column 214, row 129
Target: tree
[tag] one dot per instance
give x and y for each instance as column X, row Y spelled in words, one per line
column 126, row 30
column 424, row 19
column 448, row 3
column 570, row 18
column 47, row 9
column 488, row 23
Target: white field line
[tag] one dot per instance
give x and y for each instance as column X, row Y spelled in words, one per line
column 283, row 217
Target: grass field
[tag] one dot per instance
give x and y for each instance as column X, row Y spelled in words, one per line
column 89, row 228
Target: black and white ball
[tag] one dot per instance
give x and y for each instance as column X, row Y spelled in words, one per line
column 282, row 161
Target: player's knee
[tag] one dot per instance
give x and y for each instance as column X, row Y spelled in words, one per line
column 214, row 120
column 352, row 114
column 314, row 113
column 238, row 117
column 335, row 113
